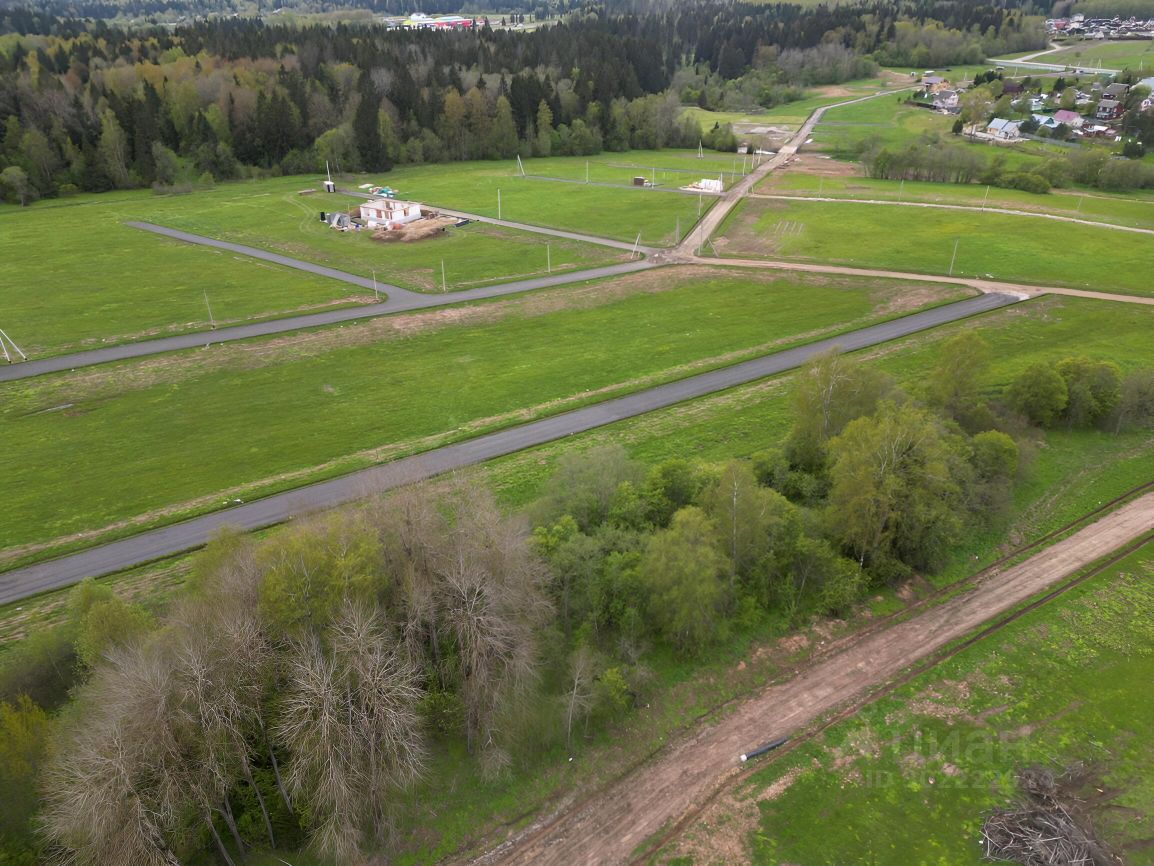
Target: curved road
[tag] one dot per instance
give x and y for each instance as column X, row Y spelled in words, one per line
column 399, row 301
column 147, row 546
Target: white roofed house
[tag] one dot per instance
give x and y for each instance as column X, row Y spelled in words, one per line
column 1004, row 130
column 389, row 213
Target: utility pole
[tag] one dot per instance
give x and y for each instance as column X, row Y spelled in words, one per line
column 954, row 257
column 586, row 171
column 498, row 204
column 211, row 320
column 986, row 196
column 699, row 205
column 376, row 292
column 901, row 188
column 548, row 259
column 444, row 287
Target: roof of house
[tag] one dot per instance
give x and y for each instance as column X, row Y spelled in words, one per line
column 933, row 79
column 1116, row 91
column 1147, row 82
column 1064, row 115
column 1108, row 104
column 1045, row 120
column 1011, row 87
column 1000, row 124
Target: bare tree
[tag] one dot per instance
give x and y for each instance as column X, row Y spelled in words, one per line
column 350, row 723
column 110, row 794
column 491, row 602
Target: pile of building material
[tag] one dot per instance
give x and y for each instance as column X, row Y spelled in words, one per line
column 706, row 184
column 415, row 231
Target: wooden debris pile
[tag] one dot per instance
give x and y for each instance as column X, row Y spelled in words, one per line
column 1041, row 831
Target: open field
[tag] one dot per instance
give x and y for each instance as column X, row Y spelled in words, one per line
column 922, row 240
column 666, row 169
column 197, row 428
column 75, row 278
column 888, row 121
column 907, row 780
column 597, row 210
column 1135, row 210
column 1137, row 55
column 274, row 216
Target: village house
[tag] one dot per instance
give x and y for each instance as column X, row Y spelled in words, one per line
column 1072, row 119
column 935, row 84
column 389, row 213
column 1003, row 130
column 1112, row 103
column 1045, row 121
column 946, row 100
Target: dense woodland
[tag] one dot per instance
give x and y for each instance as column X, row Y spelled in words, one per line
column 89, row 106
column 294, row 691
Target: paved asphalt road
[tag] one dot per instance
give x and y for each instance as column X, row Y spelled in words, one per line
column 118, row 555
column 399, row 301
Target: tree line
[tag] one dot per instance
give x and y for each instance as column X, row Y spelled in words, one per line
column 89, row 106
column 294, row 690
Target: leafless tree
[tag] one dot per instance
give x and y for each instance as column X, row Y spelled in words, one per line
column 350, row 724
column 491, row 602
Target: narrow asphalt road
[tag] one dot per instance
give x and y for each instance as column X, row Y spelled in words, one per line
column 968, row 207
column 399, row 301
column 146, row 546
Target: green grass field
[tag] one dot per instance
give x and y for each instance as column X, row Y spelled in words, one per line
column 908, row 779
column 161, row 434
column 665, row 169
column 888, row 121
column 74, row 278
column 273, row 215
column 1137, row 56
column 1135, row 210
column 922, row 240
column 597, row 210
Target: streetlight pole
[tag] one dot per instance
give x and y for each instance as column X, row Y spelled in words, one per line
column 211, row 320
column 954, row 257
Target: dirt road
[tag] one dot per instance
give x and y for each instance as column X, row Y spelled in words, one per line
column 1019, row 289
column 608, row 827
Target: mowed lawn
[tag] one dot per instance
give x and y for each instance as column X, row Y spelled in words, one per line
column 909, row 778
column 74, row 277
column 1135, row 210
column 126, row 440
column 922, row 240
column 273, row 215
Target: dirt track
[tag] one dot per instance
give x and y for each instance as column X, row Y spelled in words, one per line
column 608, row 827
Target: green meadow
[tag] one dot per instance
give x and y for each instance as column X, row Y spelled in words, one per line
column 75, row 278
column 199, row 427
column 273, row 215
column 1137, row 56
column 1134, row 210
column 922, row 240
column 604, row 211
column 909, row 778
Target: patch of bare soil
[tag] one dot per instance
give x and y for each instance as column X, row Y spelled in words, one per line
column 615, row 821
